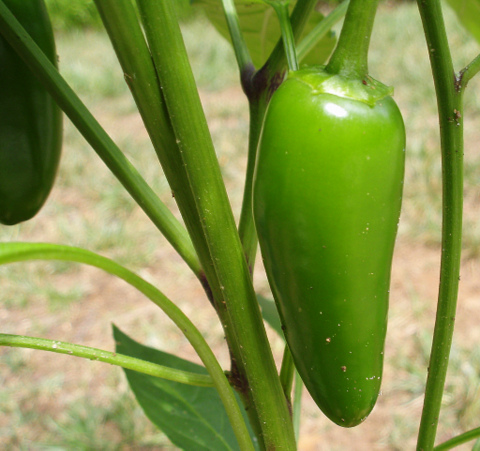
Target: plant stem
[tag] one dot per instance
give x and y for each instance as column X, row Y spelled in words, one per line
column 321, row 29
column 16, row 252
column 121, row 22
column 259, row 89
column 287, row 372
column 231, row 282
column 193, row 217
column 91, row 130
column 450, row 110
column 246, row 227
column 124, row 361
column 281, row 9
column 458, row 440
column 350, row 57
column 468, row 73
column 275, row 65
column 297, row 404
column 242, row 54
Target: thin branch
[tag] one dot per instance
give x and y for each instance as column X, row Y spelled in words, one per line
column 450, row 110
column 282, row 11
column 124, row 361
column 468, row 72
column 458, row 440
column 239, row 45
column 321, row 29
column 287, row 372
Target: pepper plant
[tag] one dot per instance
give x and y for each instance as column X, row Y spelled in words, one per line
column 323, row 269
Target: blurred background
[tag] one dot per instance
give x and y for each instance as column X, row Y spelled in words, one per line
column 53, row 402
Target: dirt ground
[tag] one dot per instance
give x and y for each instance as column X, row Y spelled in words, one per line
column 107, row 300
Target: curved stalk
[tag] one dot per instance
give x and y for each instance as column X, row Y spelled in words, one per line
column 350, row 57
column 124, row 361
column 450, row 110
column 276, row 63
column 242, row 54
column 246, row 226
column 297, row 404
column 281, row 9
column 287, row 372
column 16, row 252
column 458, row 440
column 96, row 136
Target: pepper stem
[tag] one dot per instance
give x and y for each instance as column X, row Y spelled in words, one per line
column 350, row 57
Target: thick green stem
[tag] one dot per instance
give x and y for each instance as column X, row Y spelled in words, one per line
column 350, row 57
column 124, row 361
column 231, row 282
column 450, row 110
column 97, row 137
column 121, row 22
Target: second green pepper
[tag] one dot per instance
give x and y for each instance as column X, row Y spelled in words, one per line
column 30, row 121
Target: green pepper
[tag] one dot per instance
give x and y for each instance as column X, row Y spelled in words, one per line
column 30, row 121
column 327, row 198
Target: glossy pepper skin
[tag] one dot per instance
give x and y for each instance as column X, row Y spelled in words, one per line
column 327, row 198
column 30, row 121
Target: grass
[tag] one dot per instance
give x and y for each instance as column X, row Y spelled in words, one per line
column 53, row 402
column 84, row 424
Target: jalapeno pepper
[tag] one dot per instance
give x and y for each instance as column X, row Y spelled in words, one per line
column 327, row 197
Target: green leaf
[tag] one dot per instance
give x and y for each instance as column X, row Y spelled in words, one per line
column 193, row 418
column 468, row 13
column 270, row 314
column 259, row 25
